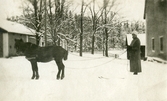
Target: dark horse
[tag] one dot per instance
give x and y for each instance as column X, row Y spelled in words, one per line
column 35, row 53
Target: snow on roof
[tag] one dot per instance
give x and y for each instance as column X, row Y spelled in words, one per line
column 142, row 38
column 14, row 27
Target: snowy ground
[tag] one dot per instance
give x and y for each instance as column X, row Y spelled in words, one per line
column 87, row 78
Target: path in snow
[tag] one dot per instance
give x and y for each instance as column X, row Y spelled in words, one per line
column 87, row 78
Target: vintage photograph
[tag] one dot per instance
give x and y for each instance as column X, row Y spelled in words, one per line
column 83, row 50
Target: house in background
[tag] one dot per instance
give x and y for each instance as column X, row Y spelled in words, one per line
column 9, row 31
column 142, row 38
column 156, row 28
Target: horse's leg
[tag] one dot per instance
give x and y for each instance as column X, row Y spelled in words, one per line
column 59, row 68
column 36, row 70
column 63, row 67
column 33, row 70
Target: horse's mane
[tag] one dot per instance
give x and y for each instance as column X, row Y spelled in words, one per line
column 30, row 45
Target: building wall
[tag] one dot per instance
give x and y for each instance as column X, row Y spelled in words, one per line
column 156, row 27
column 12, row 37
column 7, row 45
column 32, row 39
column 1, row 45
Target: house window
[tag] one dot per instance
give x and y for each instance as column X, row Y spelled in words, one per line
column 161, row 44
column 153, row 44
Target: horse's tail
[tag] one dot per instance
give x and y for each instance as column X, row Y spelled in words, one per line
column 65, row 55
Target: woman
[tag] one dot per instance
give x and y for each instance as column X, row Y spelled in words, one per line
column 135, row 61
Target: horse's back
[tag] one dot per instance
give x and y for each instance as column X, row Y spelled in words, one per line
column 59, row 52
column 45, row 54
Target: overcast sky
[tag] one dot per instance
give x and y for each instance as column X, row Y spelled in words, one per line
column 131, row 9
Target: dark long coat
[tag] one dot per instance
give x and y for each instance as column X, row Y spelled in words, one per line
column 135, row 61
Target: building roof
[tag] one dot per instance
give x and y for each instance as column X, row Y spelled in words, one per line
column 142, row 38
column 14, row 27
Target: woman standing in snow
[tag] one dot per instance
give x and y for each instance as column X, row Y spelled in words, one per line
column 135, row 61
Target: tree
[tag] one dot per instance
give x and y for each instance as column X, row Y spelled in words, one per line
column 95, row 18
column 87, row 32
column 32, row 16
column 105, row 29
column 38, row 12
column 108, row 20
column 81, row 33
column 81, row 26
column 55, row 19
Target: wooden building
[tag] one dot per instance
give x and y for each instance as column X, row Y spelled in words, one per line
column 156, row 28
column 142, row 38
column 9, row 31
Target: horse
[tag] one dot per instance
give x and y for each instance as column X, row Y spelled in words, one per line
column 35, row 53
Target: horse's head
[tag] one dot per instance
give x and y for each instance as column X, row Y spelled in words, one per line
column 19, row 45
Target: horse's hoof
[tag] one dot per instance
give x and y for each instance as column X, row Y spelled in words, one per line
column 58, row 78
column 62, row 78
column 33, row 77
column 37, row 78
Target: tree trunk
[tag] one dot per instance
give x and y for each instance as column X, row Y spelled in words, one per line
column 103, row 44
column 94, row 27
column 45, row 26
column 94, row 31
column 105, row 30
column 38, row 18
column 106, row 43
column 93, row 42
column 81, row 34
